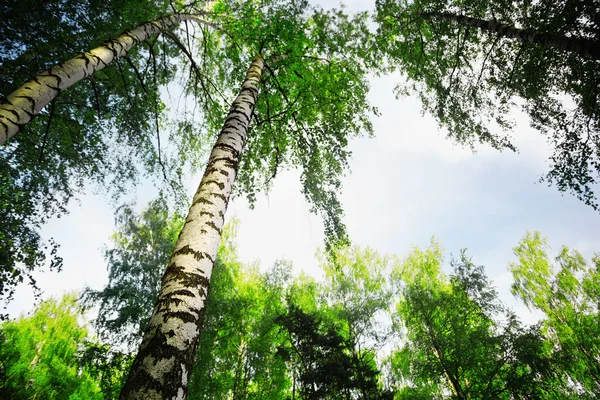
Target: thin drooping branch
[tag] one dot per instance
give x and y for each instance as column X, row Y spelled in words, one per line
column 22, row 105
column 158, row 147
column 52, row 106
column 137, row 73
column 95, row 89
column 163, row 365
column 585, row 47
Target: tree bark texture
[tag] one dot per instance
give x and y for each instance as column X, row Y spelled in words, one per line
column 28, row 100
column 163, row 364
column 581, row 46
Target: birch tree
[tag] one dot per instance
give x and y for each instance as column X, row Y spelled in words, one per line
column 72, row 142
column 302, row 51
column 567, row 291
column 472, row 62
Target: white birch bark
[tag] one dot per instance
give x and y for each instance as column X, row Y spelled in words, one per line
column 163, row 364
column 28, row 100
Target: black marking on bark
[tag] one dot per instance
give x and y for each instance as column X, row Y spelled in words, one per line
column 221, row 214
column 228, row 161
column 16, row 114
column 55, row 76
column 182, row 315
column 99, row 61
column 211, row 170
column 198, row 255
column 213, row 181
column 214, row 226
column 158, row 348
column 110, row 46
column 206, row 213
column 181, row 292
column 202, row 200
column 29, row 99
column 235, row 115
column 220, row 196
column 86, row 60
column 187, row 279
column 228, row 147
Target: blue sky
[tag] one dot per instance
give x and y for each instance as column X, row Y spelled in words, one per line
column 407, row 184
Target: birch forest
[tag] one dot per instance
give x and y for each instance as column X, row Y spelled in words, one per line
column 299, row 199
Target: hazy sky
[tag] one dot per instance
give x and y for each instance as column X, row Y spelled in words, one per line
column 407, row 184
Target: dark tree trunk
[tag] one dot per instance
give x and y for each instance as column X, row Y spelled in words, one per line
column 584, row 47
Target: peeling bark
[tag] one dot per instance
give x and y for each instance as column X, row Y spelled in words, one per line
column 162, row 366
column 585, row 47
column 28, row 100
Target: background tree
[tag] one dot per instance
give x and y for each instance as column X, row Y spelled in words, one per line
column 461, row 340
column 469, row 78
column 358, row 292
column 39, row 354
column 141, row 248
column 568, row 293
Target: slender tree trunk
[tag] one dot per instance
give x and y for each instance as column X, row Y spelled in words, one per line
column 162, row 367
column 28, row 100
column 584, row 47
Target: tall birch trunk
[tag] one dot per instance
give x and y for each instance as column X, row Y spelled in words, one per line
column 28, row 100
column 163, row 364
column 584, row 47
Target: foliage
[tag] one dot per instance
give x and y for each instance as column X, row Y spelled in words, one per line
column 106, row 366
column 567, row 293
column 103, row 130
column 39, row 354
column 469, row 79
column 272, row 335
column 324, row 362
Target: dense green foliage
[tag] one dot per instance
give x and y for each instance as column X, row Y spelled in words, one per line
column 461, row 339
column 140, row 251
column 469, row 79
column 374, row 328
